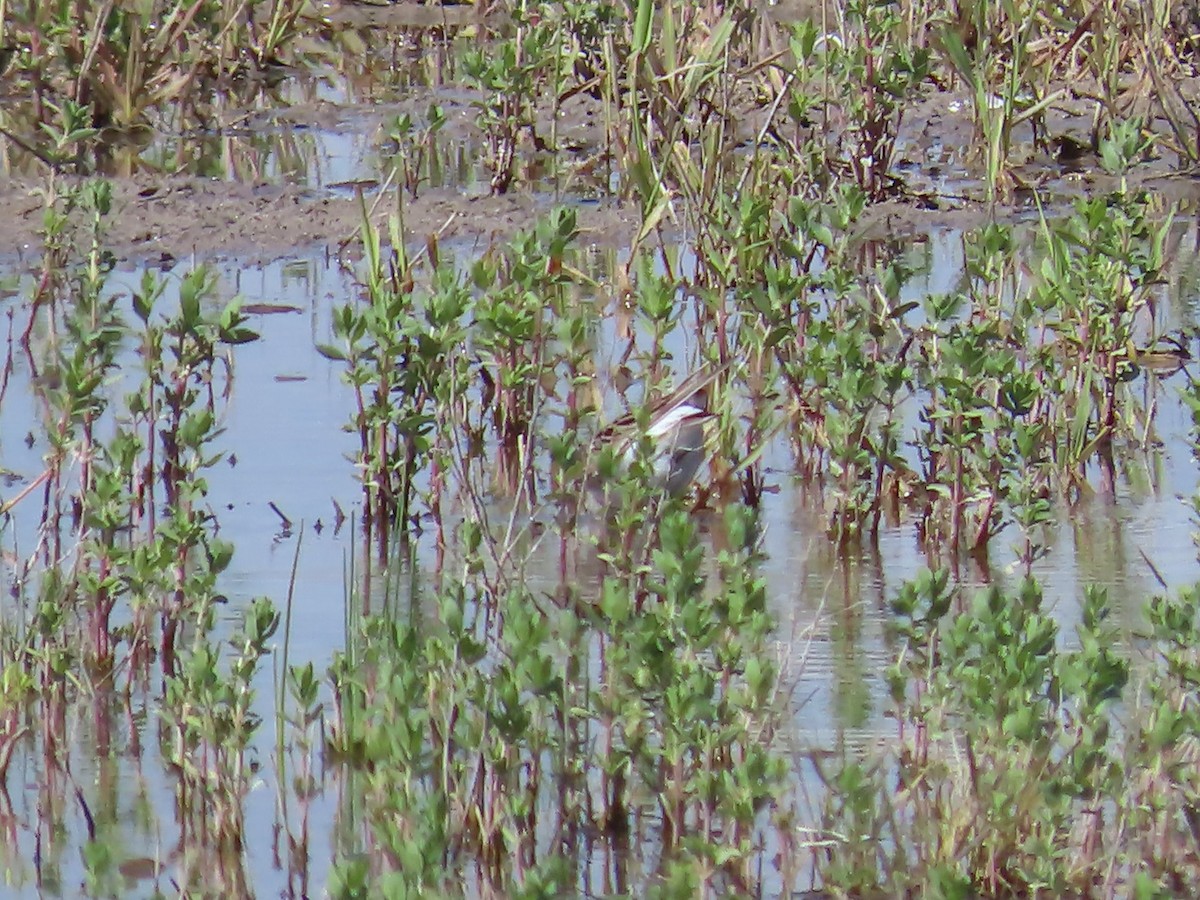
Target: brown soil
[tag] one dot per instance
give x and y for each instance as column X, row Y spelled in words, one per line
column 174, row 216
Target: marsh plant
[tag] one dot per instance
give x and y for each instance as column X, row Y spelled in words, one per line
column 120, row 580
column 498, row 732
column 873, row 72
column 510, row 76
column 208, row 724
column 504, row 724
column 678, row 89
column 423, row 383
column 983, row 698
column 401, row 349
column 416, row 148
column 500, row 743
column 489, row 721
column 988, row 693
column 127, row 64
column 944, row 420
column 591, row 704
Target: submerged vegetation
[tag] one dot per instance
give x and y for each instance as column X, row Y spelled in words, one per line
column 620, row 720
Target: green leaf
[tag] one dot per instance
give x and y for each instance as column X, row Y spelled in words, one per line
column 329, row 351
column 641, row 26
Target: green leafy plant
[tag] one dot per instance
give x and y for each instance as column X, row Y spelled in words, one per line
column 509, row 77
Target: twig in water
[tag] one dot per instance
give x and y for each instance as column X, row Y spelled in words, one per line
column 287, row 523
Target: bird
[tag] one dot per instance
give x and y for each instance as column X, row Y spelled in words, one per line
column 675, row 430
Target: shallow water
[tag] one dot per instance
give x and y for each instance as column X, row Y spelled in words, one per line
column 284, row 435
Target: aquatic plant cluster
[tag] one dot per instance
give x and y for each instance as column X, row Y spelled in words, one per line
column 624, row 725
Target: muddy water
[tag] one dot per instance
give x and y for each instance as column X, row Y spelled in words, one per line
column 286, row 444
